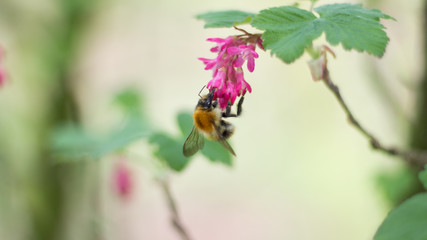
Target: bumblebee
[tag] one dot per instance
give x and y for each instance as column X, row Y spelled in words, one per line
column 208, row 122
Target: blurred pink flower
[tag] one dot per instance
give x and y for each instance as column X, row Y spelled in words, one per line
column 228, row 78
column 3, row 74
column 122, row 179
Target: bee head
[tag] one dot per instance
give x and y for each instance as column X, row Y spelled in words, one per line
column 206, row 101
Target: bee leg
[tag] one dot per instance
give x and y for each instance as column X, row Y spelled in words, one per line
column 239, row 105
column 227, row 112
column 228, row 109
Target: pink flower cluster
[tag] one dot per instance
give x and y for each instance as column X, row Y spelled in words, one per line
column 228, row 79
column 3, row 74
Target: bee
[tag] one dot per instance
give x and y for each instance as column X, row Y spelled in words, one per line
column 208, row 122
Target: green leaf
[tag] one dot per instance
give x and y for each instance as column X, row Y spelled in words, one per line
column 170, row 151
column 398, row 185
column 354, row 27
column 289, row 30
column 407, row 221
column 215, row 152
column 129, row 100
column 135, row 128
column 225, row 18
column 423, row 177
column 72, row 142
column 185, row 123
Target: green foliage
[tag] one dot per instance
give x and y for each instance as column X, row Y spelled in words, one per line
column 185, row 123
column 354, row 27
column 225, row 18
column 215, row 152
column 423, row 177
column 397, row 186
column 170, row 148
column 129, row 100
column 408, row 221
column 73, row 142
column 289, row 30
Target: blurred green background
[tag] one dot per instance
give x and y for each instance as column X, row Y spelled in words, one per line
column 301, row 172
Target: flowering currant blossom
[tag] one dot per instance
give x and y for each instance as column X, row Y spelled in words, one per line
column 3, row 74
column 122, row 179
column 228, row 78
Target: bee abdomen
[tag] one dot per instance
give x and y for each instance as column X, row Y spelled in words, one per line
column 227, row 129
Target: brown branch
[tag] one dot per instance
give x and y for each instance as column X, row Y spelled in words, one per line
column 242, row 30
column 175, row 219
column 415, row 158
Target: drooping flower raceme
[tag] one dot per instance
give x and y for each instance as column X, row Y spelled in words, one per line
column 228, row 78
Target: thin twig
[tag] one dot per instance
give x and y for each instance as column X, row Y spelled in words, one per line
column 415, row 158
column 254, row 36
column 242, row 30
column 175, row 219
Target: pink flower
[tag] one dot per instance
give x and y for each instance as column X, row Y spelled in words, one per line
column 218, row 80
column 122, row 179
column 222, row 43
column 244, row 53
column 228, row 78
column 3, row 74
column 210, row 63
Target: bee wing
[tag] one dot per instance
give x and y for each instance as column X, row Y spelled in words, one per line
column 195, row 141
column 223, row 141
column 225, row 144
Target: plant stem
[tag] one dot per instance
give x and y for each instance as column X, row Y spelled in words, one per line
column 312, row 4
column 175, row 218
column 415, row 158
column 419, row 130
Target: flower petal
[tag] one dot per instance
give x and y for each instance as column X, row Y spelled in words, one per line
column 251, row 64
column 239, row 62
column 234, row 50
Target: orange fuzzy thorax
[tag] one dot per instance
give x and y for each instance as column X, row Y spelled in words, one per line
column 204, row 121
